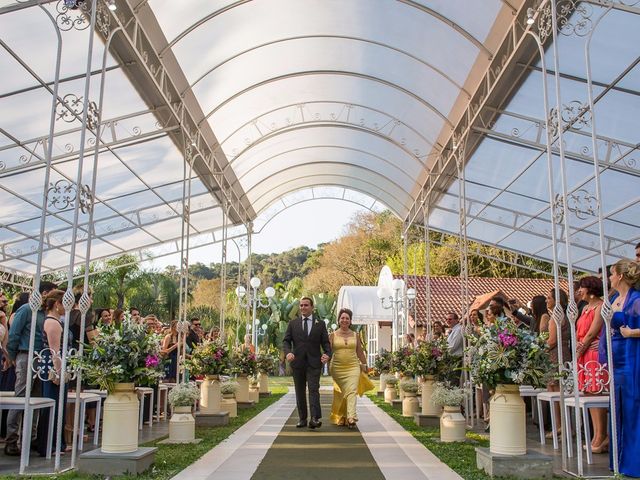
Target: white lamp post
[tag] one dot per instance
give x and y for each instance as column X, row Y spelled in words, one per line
column 393, row 299
column 255, row 300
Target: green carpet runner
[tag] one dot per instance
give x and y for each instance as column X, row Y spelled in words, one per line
column 327, row 453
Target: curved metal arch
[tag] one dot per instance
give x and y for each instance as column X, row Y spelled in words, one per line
column 310, row 147
column 438, row 16
column 356, row 167
column 343, row 185
column 314, row 199
column 294, row 128
column 344, row 104
column 330, row 72
column 340, row 37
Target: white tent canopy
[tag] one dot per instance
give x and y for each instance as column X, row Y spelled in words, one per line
column 364, row 303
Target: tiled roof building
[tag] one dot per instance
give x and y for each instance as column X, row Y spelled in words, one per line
column 445, row 292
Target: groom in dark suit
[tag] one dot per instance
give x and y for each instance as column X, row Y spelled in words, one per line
column 302, row 342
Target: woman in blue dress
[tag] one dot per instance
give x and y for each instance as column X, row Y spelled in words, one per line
column 625, row 279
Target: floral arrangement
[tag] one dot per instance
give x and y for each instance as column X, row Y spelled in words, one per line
column 432, row 358
column 392, row 380
column 209, row 358
column 504, row 354
column 386, row 377
column 401, row 361
column 409, row 386
column 446, row 395
column 227, row 388
column 382, row 363
column 122, row 353
column 184, row 394
column 266, row 363
column 244, row 362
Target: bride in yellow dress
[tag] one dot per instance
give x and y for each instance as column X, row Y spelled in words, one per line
column 348, row 368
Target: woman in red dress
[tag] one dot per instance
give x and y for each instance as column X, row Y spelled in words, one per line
column 592, row 376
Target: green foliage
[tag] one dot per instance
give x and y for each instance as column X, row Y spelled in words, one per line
column 121, row 354
column 382, row 363
column 210, row 358
column 505, row 354
column 267, row 362
column 401, row 361
column 244, row 362
column 432, row 358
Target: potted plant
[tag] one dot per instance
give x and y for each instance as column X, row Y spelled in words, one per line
column 410, row 401
column 401, row 365
column 431, row 361
column 210, row 359
column 120, row 357
column 182, row 426
column 382, row 366
column 390, row 393
column 243, row 364
column 229, row 404
column 452, row 422
column 505, row 356
column 267, row 363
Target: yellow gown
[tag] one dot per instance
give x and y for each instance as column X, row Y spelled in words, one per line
column 348, row 381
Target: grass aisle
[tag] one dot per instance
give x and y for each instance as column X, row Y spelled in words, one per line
column 171, row 459
column 461, row 457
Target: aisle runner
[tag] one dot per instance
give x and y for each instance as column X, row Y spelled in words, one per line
column 328, row 453
column 269, row 446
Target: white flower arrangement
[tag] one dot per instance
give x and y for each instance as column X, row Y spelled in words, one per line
column 227, row 388
column 445, row 395
column 184, row 395
column 392, row 380
column 409, row 386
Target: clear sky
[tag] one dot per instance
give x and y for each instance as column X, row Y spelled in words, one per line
column 307, row 223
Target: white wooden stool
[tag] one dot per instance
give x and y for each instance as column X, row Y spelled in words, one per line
column 551, row 397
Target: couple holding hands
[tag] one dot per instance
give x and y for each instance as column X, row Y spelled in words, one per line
column 307, row 345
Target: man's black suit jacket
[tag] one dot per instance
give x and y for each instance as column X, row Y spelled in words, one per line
column 306, row 348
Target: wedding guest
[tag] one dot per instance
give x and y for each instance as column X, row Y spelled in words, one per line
column 437, row 329
column 118, row 317
column 625, row 279
column 552, row 342
column 135, row 315
column 103, row 316
column 592, row 377
column 51, row 367
column 170, row 350
column 18, row 356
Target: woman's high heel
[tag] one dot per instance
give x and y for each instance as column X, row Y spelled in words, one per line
column 351, row 423
column 602, row 448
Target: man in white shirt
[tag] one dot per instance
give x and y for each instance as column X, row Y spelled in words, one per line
column 454, row 340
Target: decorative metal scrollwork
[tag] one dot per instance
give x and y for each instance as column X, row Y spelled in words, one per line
column 574, row 17
column 45, row 360
column 566, row 377
column 103, row 20
column 63, row 193
column 72, row 15
column 71, row 108
column 595, row 376
column 545, row 23
column 574, row 114
column 581, row 203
